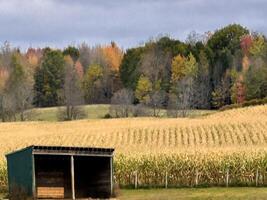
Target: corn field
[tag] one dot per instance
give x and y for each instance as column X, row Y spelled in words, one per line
column 191, row 170
column 218, row 149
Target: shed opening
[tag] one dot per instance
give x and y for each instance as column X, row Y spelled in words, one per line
column 92, row 177
column 52, row 176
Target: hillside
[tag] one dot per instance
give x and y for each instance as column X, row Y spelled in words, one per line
column 245, row 127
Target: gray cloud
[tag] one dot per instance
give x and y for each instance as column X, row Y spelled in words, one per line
column 128, row 22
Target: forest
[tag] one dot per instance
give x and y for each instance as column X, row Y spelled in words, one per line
column 206, row 71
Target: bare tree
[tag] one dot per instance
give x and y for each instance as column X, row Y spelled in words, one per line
column 72, row 92
column 180, row 100
column 121, row 103
column 202, row 86
column 24, row 96
column 5, row 68
column 6, row 53
column 8, row 107
column 153, row 65
column 140, row 110
column 193, row 38
column 156, row 101
column 91, row 55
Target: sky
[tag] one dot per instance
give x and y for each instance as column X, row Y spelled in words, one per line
column 59, row 23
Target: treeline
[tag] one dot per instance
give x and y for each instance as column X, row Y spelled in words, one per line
column 53, row 77
column 206, row 71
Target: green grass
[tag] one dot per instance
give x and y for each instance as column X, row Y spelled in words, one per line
column 95, row 111
column 242, row 193
column 235, row 193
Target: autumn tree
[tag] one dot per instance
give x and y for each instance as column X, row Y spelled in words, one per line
column 19, row 89
column 92, row 83
column 238, row 90
column 143, row 89
column 258, row 47
column 34, row 56
column 246, row 43
column 184, row 71
column 113, row 56
column 79, row 69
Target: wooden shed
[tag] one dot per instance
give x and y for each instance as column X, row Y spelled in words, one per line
column 54, row 172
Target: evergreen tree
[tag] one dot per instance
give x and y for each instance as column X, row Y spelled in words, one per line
column 49, row 80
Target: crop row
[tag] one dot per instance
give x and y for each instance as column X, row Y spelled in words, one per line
column 190, row 170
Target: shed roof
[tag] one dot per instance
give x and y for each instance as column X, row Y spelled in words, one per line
column 67, row 150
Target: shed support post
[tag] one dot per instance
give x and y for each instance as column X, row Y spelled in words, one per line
column 72, row 177
column 111, row 176
column 34, row 193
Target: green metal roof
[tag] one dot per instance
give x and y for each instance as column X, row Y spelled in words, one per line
column 67, row 150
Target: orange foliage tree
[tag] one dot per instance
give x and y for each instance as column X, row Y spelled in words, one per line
column 79, row 69
column 113, row 55
column 33, row 56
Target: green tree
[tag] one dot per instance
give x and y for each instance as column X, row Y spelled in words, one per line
column 256, row 82
column 73, row 52
column 49, row 80
column 222, row 47
column 129, row 73
column 227, row 38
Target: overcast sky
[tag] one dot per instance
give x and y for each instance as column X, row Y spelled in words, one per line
column 58, row 23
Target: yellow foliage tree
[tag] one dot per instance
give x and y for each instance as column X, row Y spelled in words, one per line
column 182, row 67
column 3, row 78
column 91, row 81
column 257, row 47
column 143, row 88
column 178, row 68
